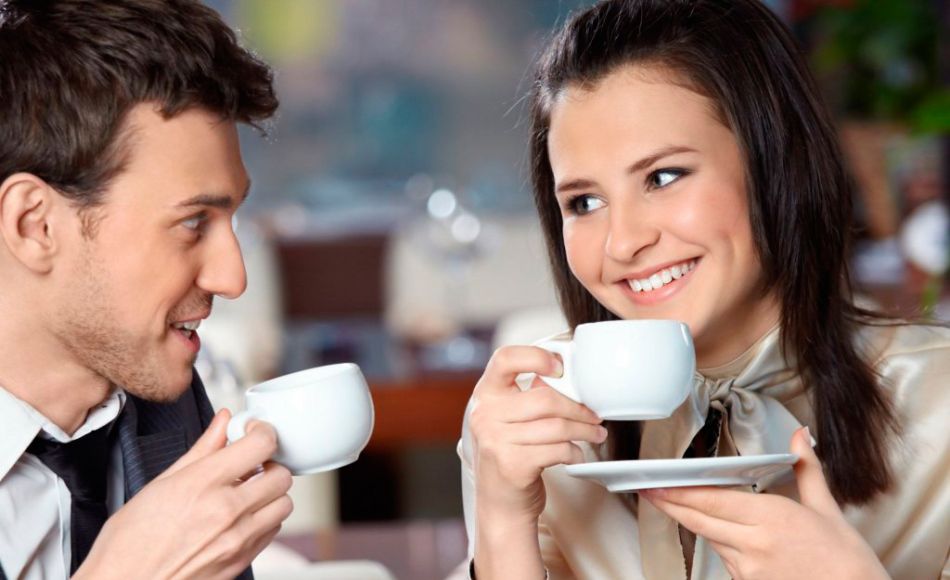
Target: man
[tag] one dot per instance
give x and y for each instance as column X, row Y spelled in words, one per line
column 120, row 171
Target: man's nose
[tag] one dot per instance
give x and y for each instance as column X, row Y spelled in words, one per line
column 223, row 273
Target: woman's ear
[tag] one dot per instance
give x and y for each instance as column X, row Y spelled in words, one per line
column 26, row 220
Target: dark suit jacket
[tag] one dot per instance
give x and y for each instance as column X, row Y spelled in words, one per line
column 152, row 436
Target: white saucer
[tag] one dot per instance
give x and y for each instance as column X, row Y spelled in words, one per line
column 649, row 473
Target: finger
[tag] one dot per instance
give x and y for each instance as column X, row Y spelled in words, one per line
column 555, row 430
column 543, row 403
column 271, row 483
column 729, row 557
column 711, row 528
column 245, row 454
column 554, row 454
column 812, row 487
column 510, row 361
column 262, row 542
column 270, row 515
column 537, row 382
column 724, row 504
column 728, row 554
column 257, row 468
column 247, row 556
column 212, row 440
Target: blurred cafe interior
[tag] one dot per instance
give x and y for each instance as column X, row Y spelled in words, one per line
column 390, row 224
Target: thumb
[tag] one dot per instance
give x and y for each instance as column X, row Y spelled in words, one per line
column 812, row 486
column 214, row 438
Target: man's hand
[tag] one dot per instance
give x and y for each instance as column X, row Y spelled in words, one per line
column 770, row 537
column 200, row 519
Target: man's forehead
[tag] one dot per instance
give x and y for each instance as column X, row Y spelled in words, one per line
column 192, row 158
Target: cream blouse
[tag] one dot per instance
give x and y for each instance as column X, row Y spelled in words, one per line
column 587, row 533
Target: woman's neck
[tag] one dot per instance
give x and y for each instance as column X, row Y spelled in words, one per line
column 722, row 348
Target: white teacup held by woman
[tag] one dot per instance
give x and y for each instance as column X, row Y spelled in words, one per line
column 638, row 370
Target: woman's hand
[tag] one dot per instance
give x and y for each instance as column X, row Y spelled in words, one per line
column 516, row 435
column 762, row 536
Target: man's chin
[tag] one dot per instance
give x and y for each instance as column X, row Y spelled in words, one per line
column 168, row 389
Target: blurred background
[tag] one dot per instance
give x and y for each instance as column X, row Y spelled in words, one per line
column 391, row 225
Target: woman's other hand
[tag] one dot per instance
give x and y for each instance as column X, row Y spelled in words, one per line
column 762, row 536
column 516, row 435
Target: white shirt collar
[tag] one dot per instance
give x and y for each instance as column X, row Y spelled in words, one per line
column 22, row 423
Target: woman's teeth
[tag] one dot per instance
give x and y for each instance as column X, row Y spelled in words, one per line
column 661, row 278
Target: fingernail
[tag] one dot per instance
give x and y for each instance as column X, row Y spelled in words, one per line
column 653, row 493
column 811, row 440
column 603, row 433
column 558, row 368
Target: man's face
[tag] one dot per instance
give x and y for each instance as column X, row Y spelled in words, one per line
column 162, row 247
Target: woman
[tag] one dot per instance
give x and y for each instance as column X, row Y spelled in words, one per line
column 686, row 136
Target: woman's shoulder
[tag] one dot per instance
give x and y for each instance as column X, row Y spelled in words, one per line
column 881, row 343
column 912, row 362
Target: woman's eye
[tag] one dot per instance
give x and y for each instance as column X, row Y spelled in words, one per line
column 584, row 204
column 664, row 177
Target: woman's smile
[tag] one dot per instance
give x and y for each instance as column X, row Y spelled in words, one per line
column 659, row 286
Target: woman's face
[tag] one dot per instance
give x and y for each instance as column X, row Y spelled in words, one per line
column 656, row 216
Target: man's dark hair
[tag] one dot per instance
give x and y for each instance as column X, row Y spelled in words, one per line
column 72, row 70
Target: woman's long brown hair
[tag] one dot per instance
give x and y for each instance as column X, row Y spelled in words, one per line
column 741, row 57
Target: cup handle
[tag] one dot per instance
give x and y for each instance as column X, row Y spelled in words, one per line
column 564, row 384
column 237, row 426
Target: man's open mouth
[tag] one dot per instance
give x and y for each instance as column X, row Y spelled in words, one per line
column 187, row 328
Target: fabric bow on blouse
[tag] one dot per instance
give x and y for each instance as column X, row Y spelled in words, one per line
column 754, row 422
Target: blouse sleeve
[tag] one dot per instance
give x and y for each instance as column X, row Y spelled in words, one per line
column 549, row 552
column 465, row 454
column 554, row 562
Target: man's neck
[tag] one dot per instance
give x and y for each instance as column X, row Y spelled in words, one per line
column 47, row 377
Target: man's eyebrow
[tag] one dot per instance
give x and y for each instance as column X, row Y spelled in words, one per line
column 218, row 201
column 640, row 165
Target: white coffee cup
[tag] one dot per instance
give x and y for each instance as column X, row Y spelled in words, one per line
column 627, row 369
column 323, row 417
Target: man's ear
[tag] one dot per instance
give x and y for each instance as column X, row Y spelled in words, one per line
column 26, row 220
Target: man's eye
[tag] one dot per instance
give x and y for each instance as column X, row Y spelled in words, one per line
column 196, row 222
column 584, row 204
column 664, row 177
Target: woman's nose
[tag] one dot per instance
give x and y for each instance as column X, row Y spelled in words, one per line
column 631, row 230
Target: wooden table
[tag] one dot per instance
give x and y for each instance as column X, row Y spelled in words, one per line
column 428, row 409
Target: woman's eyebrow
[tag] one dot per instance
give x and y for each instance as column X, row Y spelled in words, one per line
column 636, row 167
column 574, row 184
column 652, row 158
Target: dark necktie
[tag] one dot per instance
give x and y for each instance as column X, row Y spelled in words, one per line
column 82, row 464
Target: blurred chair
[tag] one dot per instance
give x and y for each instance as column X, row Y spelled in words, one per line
column 528, row 326
column 508, row 274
